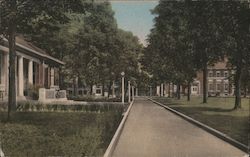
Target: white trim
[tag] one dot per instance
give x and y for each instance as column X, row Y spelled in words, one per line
column 28, row 57
column 37, row 53
column 43, row 55
column 113, row 143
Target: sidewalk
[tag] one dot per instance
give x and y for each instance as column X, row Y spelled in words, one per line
column 152, row 131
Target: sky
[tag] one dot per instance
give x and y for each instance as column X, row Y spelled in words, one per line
column 135, row 16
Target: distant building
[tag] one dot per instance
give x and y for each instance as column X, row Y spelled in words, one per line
column 81, row 89
column 218, row 81
column 34, row 69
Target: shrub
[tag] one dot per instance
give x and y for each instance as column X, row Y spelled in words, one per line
column 30, row 106
column 96, row 99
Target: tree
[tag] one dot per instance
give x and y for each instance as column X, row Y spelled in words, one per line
column 170, row 41
column 235, row 22
column 206, row 36
column 100, row 50
column 18, row 16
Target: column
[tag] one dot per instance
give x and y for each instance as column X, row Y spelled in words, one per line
column 6, row 72
column 129, row 94
column 41, row 74
column 30, row 72
column 20, row 75
column 136, row 91
column 123, row 89
column 133, row 92
column 158, row 91
column 52, row 77
column 165, row 91
column 150, row 91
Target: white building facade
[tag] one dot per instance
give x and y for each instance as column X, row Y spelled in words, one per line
column 34, row 69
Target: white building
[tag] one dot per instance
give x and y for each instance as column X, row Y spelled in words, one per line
column 34, row 69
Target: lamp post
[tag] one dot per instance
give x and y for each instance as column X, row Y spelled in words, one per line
column 129, row 92
column 133, row 92
column 123, row 93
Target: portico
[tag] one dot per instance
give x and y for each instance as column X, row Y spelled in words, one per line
column 34, row 69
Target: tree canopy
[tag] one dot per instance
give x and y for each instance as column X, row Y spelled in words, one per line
column 188, row 36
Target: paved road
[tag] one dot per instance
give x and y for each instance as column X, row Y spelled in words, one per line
column 152, row 131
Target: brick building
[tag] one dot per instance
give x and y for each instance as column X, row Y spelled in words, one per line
column 218, row 81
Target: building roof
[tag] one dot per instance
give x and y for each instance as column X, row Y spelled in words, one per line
column 34, row 50
column 219, row 65
column 20, row 40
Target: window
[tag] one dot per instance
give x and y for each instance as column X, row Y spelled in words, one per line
column 217, row 73
column 98, row 91
column 194, row 89
column 218, row 87
column 210, row 86
column 226, row 87
column 80, row 92
column 210, row 74
column 85, row 92
column 225, row 73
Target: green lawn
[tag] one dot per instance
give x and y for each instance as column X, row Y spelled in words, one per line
column 58, row 133
column 217, row 113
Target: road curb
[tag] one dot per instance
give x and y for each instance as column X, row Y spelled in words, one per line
column 206, row 128
column 109, row 151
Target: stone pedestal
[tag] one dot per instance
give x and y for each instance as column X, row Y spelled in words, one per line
column 42, row 94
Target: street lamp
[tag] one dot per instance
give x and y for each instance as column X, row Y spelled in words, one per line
column 129, row 91
column 133, row 92
column 123, row 92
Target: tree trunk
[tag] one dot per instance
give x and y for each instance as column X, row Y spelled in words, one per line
column 189, row 91
column 12, row 69
column 109, row 88
column 205, row 83
column 237, row 81
column 173, row 92
column 113, row 88
column 91, row 89
column 178, row 91
column 75, row 86
column 245, row 91
column 103, row 88
column 169, row 86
